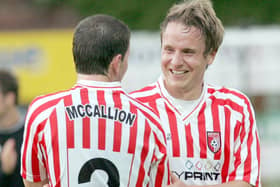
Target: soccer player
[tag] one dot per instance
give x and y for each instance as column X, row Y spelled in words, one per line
column 212, row 137
column 94, row 134
column 11, row 131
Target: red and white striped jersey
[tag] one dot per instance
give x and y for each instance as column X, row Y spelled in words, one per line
column 93, row 135
column 215, row 142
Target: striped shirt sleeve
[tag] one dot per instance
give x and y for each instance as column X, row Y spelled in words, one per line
column 247, row 149
column 33, row 166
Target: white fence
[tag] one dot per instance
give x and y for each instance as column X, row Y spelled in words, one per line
column 247, row 60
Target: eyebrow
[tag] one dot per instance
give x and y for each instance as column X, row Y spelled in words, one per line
column 188, row 50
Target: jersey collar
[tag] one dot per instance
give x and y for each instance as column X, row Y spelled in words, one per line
column 164, row 93
column 99, row 84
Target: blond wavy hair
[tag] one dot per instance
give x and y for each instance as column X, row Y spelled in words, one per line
column 199, row 14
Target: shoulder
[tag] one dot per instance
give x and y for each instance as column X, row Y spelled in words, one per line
column 147, row 113
column 227, row 95
column 147, row 93
column 45, row 103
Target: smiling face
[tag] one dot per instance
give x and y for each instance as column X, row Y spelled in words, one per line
column 183, row 62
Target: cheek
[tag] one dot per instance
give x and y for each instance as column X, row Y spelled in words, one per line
column 165, row 59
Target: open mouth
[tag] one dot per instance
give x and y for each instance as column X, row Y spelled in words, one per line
column 178, row 72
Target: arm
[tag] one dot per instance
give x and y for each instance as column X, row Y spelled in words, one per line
column 31, row 154
column 8, row 162
column 159, row 173
column 43, row 183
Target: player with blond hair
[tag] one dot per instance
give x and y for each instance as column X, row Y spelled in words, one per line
column 212, row 136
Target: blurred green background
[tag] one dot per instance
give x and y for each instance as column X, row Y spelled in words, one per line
column 145, row 14
column 138, row 14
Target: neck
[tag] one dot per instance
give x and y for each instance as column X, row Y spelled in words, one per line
column 184, row 94
column 96, row 77
column 10, row 118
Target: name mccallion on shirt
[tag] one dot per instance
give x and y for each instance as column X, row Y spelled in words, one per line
column 100, row 111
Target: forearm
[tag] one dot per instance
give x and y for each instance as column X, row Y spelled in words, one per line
column 228, row 184
column 178, row 183
column 35, row 184
column 232, row 184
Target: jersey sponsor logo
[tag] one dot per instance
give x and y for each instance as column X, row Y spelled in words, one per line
column 214, row 141
column 195, row 170
column 197, row 175
column 100, row 111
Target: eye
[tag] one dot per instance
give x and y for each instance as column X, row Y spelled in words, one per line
column 168, row 49
column 188, row 51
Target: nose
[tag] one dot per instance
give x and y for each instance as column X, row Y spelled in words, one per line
column 177, row 59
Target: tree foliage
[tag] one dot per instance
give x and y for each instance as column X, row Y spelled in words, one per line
column 147, row 15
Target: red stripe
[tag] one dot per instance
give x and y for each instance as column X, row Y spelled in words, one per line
column 152, row 119
column 161, row 167
column 69, row 134
column 149, row 98
column 174, row 131
column 227, row 147
column 42, row 142
column 161, row 147
column 117, row 125
column 230, row 103
column 131, row 166
column 248, row 161
column 160, row 173
column 101, row 122
column 47, row 158
column 100, row 87
column 258, row 157
column 144, row 153
column 237, row 155
column 202, row 132
column 216, row 124
column 237, row 130
column 133, row 131
column 154, row 107
column 55, row 147
column 147, row 88
column 28, row 128
column 69, row 124
column 151, row 101
column 86, row 120
column 189, row 140
column 34, row 156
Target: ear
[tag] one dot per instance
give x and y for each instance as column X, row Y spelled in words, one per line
column 10, row 98
column 211, row 57
column 114, row 67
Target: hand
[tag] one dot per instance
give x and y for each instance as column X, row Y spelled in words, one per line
column 9, row 156
column 46, row 185
column 176, row 182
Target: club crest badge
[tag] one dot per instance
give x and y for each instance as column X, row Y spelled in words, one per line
column 214, row 141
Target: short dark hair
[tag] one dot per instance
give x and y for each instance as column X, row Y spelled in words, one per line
column 8, row 83
column 97, row 39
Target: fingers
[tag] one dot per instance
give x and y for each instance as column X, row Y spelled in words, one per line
column 9, row 156
column 10, row 145
column 174, row 178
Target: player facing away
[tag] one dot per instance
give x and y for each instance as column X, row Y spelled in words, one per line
column 94, row 134
column 212, row 137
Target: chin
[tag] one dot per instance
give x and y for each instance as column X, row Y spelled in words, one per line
column 175, row 85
